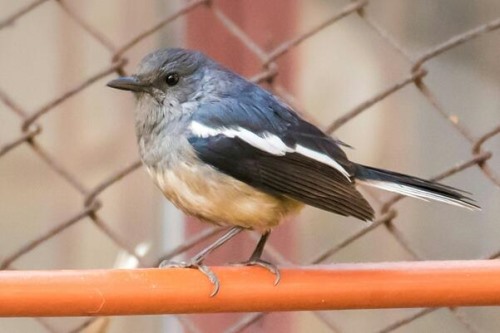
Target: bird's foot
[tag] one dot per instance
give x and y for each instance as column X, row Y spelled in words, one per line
column 264, row 264
column 194, row 264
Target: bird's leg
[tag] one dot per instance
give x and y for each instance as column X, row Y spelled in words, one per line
column 255, row 258
column 197, row 261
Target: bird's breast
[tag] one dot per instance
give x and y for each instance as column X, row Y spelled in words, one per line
column 202, row 191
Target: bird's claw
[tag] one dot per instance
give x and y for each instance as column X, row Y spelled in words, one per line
column 195, row 265
column 264, row 264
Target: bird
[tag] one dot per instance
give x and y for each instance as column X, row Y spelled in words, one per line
column 231, row 153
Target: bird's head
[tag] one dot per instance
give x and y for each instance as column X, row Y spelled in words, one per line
column 166, row 77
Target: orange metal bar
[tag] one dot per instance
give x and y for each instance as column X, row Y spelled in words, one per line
column 342, row 286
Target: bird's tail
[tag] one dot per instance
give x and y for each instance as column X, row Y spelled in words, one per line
column 413, row 187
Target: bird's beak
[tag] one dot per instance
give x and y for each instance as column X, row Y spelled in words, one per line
column 130, row 83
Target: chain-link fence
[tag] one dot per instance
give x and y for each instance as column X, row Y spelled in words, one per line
column 71, row 197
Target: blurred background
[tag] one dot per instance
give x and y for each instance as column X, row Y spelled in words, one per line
column 412, row 85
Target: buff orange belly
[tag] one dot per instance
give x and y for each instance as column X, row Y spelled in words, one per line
column 203, row 192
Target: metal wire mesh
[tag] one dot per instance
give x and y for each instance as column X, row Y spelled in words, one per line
column 33, row 127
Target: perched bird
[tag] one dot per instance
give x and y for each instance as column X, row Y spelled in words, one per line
column 229, row 152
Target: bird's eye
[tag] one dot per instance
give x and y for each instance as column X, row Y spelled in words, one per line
column 172, row 78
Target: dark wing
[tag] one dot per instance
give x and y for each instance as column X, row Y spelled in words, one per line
column 260, row 141
column 291, row 175
column 256, row 110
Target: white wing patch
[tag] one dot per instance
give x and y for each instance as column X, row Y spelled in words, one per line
column 267, row 142
column 323, row 158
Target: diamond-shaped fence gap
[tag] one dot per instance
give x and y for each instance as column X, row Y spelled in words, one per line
column 254, row 36
column 74, row 14
column 379, row 144
column 80, row 53
column 131, row 15
column 89, row 142
column 325, row 254
column 403, row 121
column 450, row 78
column 44, row 190
column 206, row 18
column 129, row 223
column 376, row 246
column 452, row 146
column 425, row 233
column 247, row 40
column 58, row 251
column 168, row 22
column 90, row 254
column 71, row 92
column 94, row 15
column 314, row 30
column 354, row 32
column 320, row 230
column 335, row 80
column 38, row 58
column 398, row 242
column 46, row 235
column 417, row 37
